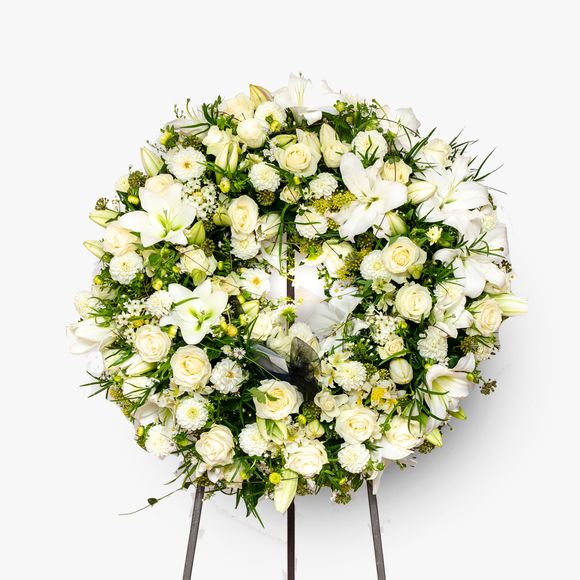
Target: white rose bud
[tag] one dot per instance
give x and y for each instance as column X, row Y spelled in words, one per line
column 436, row 152
column 253, row 132
column 216, row 446
column 401, row 371
column 290, row 194
column 487, row 316
column 420, row 191
column 227, row 158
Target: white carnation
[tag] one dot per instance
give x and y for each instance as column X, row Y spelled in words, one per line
column 251, row 440
column 85, row 303
column 264, row 177
column 124, row 268
column 373, row 266
column 246, row 247
column 323, row 185
column 353, row 457
column 433, row 344
column 350, row 375
column 310, row 224
column 159, row 303
column 192, row 413
column 227, row 376
column 370, row 144
column 159, row 441
column 185, row 164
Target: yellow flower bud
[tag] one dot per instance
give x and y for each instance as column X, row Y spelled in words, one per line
column 140, row 431
column 172, row 331
column 97, row 280
column 231, row 331
column 301, row 419
column 275, row 478
column 133, row 199
column 225, row 185
column 296, row 180
column 224, row 325
column 275, row 126
column 157, row 284
column 165, row 136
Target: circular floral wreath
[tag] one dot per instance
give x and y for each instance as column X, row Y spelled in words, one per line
column 272, row 395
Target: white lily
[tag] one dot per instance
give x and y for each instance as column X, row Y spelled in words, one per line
column 447, row 386
column 454, row 199
column 401, row 123
column 374, row 196
column 166, row 216
column 474, row 262
column 195, row 312
column 305, row 100
column 88, row 335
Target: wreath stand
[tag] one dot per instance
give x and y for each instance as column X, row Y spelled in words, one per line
column 290, row 523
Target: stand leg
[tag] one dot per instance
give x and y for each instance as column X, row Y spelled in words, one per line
column 193, row 532
column 291, row 542
column 376, row 529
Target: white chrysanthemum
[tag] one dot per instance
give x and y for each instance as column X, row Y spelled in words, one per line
column 191, row 413
column 159, row 441
column 159, row 303
column 433, row 234
column 251, row 440
column 483, row 351
column 255, row 280
column 245, row 248
column 264, row 177
column 373, row 267
column 370, row 144
column 433, row 344
column 227, row 376
column 124, row 268
column 272, row 110
column 185, row 164
column 354, row 457
column 350, row 375
column 310, row 224
column 323, row 185
column 85, row 303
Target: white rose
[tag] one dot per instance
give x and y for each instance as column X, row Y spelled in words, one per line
column 396, row 171
column 191, row 367
column 243, row 213
column 413, row 302
column 253, row 132
column 216, row 446
column 118, row 240
column 436, row 152
column 356, row 424
column 240, row 107
column 193, row 258
column 487, row 316
column 307, row 459
column 329, row 404
column 296, row 159
column 332, row 148
column 261, row 326
column 401, row 371
column 400, row 439
column 392, row 346
column 152, row 343
column 280, row 342
column 402, row 256
column 159, row 183
column 281, row 399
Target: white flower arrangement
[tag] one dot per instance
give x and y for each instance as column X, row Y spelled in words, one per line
column 408, row 247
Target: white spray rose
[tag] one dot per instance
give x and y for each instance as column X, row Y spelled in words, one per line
column 159, row 183
column 191, row 367
column 402, row 256
column 400, row 439
column 243, row 213
column 307, row 459
column 194, row 258
column 253, row 132
column 331, row 146
column 436, row 152
column 413, row 302
column 118, row 240
column 396, row 171
column 329, row 404
column 240, row 107
column 280, row 400
column 487, row 316
column 216, row 446
column 152, row 343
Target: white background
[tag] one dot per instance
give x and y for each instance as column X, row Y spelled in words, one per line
column 85, row 84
